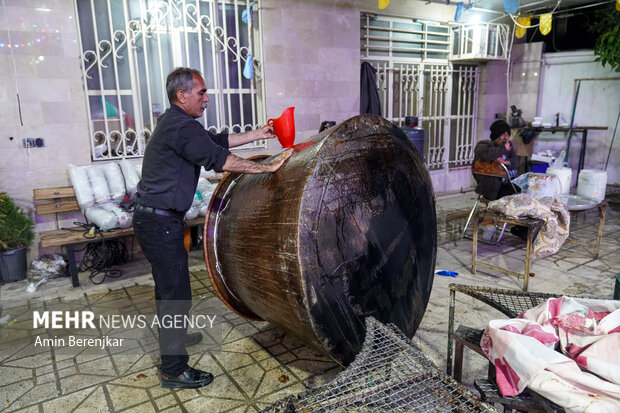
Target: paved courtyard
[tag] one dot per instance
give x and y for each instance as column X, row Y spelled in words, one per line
column 255, row 363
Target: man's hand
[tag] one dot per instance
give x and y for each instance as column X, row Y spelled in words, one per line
column 236, row 164
column 502, row 160
column 279, row 160
column 266, row 132
column 238, row 139
column 508, row 145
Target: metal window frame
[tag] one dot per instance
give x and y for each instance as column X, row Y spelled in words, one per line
column 158, row 20
column 423, row 87
column 480, row 41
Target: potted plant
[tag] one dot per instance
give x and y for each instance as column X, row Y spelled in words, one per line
column 16, row 234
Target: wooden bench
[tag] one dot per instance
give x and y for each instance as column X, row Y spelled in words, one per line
column 62, row 200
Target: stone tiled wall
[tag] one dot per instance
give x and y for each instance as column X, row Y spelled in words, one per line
column 312, row 56
column 597, row 105
column 312, row 62
column 492, row 96
column 47, row 75
column 525, row 77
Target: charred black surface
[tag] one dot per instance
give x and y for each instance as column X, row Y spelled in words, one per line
column 346, row 229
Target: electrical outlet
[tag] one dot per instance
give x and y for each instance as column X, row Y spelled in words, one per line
column 33, row 142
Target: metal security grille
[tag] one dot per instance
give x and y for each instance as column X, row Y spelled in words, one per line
column 129, row 47
column 485, row 41
column 388, row 375
column 407, row 39
column 416, row 78
column 463, row 115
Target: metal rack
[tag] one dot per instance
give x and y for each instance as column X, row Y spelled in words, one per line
column 389, row 374
column 511, row 303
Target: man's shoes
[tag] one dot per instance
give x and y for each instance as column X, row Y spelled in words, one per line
column 189, row 379
column 192, row 339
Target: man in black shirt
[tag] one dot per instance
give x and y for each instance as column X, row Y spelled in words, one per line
column 178, row 148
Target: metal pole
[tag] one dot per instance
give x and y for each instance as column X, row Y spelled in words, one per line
column 613, row 137
column 450, row 331
column 572, row 120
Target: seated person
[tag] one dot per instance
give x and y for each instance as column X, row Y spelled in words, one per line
column 501, row 150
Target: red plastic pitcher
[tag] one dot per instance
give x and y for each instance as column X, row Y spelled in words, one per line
column 284, row 127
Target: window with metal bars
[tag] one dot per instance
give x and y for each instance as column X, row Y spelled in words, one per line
column 129, row 47
column 416, row 78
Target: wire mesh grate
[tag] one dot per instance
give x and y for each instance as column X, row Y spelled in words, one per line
column 388, row 374
column 509, row 302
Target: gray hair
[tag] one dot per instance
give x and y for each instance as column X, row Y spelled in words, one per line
column 181, row 78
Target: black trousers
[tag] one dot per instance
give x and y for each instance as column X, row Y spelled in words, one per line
column 506, row 189
column 161, row 240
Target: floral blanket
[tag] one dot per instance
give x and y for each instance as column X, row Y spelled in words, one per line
column 566, row 349
column 551, row 210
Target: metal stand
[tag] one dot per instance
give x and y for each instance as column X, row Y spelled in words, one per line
column 602, row 212
column 532, row 225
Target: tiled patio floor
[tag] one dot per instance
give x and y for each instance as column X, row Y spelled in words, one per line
column 258, row 363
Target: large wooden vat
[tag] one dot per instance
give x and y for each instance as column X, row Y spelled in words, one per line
column 344, row 230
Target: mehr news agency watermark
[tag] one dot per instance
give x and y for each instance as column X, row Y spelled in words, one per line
column 83, row 321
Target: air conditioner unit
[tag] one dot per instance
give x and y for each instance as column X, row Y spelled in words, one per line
column 479, row 41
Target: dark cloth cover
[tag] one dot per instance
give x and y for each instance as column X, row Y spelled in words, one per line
column 369, row 95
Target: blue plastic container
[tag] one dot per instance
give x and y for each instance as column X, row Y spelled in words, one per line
column 416, row 136
column 538, row 167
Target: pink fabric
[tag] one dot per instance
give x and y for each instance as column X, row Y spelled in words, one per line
column 555, row 306
column 536, row 331
column 545, row 346
column 505, row 376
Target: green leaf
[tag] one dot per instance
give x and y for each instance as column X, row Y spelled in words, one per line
column 607, row 45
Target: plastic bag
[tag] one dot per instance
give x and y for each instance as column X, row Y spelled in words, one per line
column 192, row 212
column 210, row 174
column 542, row 185
column 203, row 184
column 206, row 200
column 102, row 218
column 522, row 181
column 206, row 196
column 123, row 218
column 538, row 185
column 197, row 206
column 98, row 184
column 116, row 182
column 131, row 177
column 81, row 186
column 559, row 161
column 47, row 266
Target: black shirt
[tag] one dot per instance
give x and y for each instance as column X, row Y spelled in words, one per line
column 178, row 147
